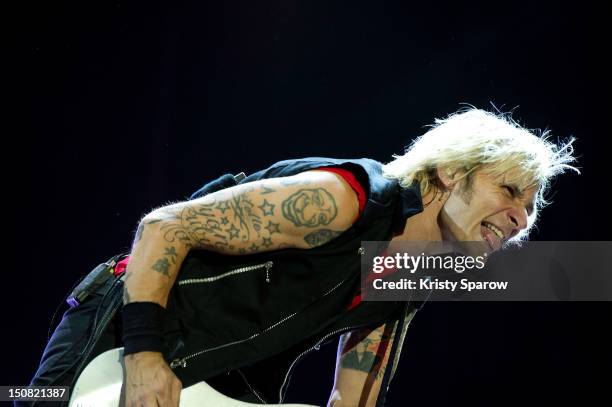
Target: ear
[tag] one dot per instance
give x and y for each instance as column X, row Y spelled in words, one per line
column 446, row 177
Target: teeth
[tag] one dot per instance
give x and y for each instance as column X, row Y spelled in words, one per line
column 495, row 229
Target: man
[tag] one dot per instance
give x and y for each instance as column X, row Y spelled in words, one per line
column 238, row 283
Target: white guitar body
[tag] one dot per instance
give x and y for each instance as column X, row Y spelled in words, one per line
column 99, row 385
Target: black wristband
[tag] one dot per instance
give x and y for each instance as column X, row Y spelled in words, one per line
column 143, row 326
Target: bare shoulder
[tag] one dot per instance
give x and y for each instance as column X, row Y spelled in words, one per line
column 317, row 206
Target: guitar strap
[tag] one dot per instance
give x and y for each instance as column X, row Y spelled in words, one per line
column 109, row 305
column 107, row 300
column 401, row 327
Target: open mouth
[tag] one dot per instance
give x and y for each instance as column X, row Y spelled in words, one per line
column 492, row 235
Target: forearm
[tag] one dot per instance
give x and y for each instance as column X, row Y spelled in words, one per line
column 362, row 359
column 358, row 390
column 166, row 235
column 154, row 264
column 224, row 222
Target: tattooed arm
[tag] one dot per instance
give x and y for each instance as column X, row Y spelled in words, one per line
column 363, row 356
column 302, row 211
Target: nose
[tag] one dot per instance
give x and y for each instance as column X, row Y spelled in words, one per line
column 518, row 219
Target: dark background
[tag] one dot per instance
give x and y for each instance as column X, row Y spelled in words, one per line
column 130, row 106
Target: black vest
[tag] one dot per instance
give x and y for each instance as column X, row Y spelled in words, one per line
column 242, row 321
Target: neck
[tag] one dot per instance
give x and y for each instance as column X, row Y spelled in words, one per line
column 424, row 226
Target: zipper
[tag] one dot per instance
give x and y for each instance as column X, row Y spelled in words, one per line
column 182, row 362
column 316, row 346
column 250, row 387
column 267, row 265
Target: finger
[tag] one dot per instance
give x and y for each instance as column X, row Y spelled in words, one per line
column 172, row 394
column 165, row 394
column 132, row 401
column 151, row 401
column 176, row 393
column 164, row 399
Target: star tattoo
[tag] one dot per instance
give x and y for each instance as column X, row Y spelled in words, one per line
column 234, row 232
column 223, row 206
column 267, row 208
column 273, row 227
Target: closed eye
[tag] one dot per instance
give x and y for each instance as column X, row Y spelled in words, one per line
column 514, row 193
column 510, row 189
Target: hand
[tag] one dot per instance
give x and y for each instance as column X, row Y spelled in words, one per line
column 149, row 381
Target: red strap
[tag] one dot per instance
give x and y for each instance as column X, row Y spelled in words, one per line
column 352, row 181
column 361, row 196
column 368, row 282
column 121, row 265
column 355, row 302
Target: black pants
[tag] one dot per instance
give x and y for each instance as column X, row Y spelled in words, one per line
column 61, row 358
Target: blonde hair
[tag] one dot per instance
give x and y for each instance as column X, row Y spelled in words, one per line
column 473, row 139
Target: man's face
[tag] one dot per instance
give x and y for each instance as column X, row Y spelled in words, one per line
column 310, row 207
column 491, row 210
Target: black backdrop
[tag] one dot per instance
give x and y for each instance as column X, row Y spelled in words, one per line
column 130, row 106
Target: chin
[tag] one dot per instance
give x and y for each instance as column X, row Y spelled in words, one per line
column 475, row 245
